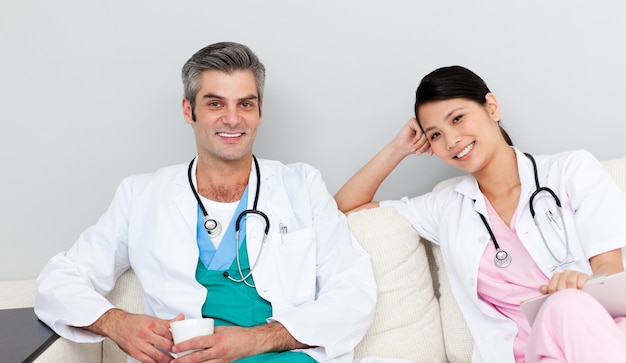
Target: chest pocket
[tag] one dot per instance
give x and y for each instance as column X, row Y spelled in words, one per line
column 296, row 253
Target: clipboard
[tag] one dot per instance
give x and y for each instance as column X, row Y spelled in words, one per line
column 608, row 290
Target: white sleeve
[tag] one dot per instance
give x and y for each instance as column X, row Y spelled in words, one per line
column 599, row 205
column 71, row 287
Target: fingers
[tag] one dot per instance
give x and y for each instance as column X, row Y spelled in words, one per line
column 568, row 279
column 178, row 317
column 418, row 142
column 199, row 342
column 144, row 337
column 146, row 352
column 202, row 344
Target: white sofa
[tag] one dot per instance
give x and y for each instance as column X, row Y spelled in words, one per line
column 416, row 317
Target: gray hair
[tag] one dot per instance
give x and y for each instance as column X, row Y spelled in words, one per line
column 225, row 57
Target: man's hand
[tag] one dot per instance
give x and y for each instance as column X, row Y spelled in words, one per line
column 229, row 343
column 137, row 335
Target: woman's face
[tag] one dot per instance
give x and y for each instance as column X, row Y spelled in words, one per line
column 462, row 132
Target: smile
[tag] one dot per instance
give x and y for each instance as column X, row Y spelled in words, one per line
column 465, row 151
column 223, row 134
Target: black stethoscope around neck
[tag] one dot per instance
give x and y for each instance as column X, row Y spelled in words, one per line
column 214, row 228
column 502, row 257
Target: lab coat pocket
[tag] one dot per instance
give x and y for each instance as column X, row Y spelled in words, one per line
column 296, row 265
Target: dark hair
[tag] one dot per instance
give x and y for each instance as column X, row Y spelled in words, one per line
column 453, row 82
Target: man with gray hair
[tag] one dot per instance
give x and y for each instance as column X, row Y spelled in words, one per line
column 257, row 245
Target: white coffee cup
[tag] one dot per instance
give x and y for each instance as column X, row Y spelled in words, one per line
column 190, row 328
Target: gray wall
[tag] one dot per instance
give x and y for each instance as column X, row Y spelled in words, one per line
column 90, row 91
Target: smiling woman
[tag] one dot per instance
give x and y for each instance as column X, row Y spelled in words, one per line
column 513, row 199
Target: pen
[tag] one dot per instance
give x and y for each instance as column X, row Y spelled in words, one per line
column 552, row 219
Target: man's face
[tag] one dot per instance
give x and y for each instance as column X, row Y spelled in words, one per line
column 227, row 115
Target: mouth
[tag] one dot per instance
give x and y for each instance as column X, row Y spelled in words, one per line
column 465, row 151
column 230, row 135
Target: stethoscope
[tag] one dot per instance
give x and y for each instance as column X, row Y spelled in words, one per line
column 214, row 227
column 503, row 258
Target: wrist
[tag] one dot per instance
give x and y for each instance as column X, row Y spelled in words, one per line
column 103, row 324
column 274, row 337
column 395, row 152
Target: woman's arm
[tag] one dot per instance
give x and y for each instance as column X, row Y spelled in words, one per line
column 359, row 190
column 609, row 262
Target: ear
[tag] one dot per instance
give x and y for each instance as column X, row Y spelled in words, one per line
column 187, row 112
column 260, row 111
column 492, row 107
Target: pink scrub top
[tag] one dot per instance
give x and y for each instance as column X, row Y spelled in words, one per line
column 505, row 287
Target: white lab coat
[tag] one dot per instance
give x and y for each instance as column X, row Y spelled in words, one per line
column 594, row 210
column 318, row 279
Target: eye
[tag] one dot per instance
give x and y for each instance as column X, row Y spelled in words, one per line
column 214, row 104
column 457, row 119
column 247, row 104
column 434, row 135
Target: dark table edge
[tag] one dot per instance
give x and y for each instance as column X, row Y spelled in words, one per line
column 42, row 348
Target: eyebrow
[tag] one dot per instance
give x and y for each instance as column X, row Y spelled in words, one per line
column 213, row 95
column 446, row 117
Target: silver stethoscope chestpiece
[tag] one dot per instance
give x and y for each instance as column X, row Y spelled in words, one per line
column 213, row 227
column 502, row 259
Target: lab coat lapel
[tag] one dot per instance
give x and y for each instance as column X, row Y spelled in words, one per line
column 255, row 225
column 185, row 201
column 468, row 246
column 527, row 178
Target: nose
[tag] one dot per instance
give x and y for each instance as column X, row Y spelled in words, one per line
column 231, row 116
column 452, row 139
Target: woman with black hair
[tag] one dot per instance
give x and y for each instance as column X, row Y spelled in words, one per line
column 515, row 226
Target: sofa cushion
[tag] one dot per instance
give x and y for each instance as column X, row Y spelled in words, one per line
column 406, row 323
column 616, row 168
column 458, row 341
column 127, row 295
column 17, row 294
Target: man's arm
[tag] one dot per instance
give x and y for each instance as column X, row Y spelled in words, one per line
column 231, row 342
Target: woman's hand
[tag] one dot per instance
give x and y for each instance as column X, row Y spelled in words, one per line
column 411, row 139
column 564, row 280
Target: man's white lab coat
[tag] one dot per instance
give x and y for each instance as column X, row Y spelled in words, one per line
column 317, row 278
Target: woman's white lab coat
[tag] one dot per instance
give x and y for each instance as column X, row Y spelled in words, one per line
column 318, row 279
column 594, row 210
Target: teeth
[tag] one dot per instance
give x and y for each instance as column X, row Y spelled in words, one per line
column 467, row 149
column 223, row 134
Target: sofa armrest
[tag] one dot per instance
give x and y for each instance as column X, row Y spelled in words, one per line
column 17, row 294
column 66, row 351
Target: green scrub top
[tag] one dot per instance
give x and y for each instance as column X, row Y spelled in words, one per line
column 235, row 303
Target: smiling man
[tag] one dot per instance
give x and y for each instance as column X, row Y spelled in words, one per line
column 257, row 245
